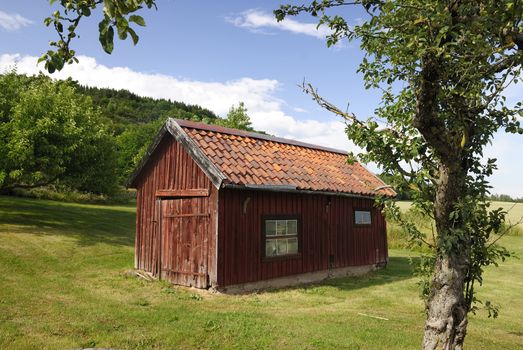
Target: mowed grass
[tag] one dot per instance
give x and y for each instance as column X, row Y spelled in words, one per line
column 62, row 285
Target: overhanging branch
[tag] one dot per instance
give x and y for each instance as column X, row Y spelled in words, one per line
column 352, row 119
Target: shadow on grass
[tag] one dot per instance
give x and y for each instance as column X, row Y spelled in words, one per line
column 399, row 268
column 89, row 224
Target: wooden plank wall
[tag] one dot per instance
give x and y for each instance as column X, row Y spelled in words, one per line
column 328, row 235
column 169, row 168
column 185, row 226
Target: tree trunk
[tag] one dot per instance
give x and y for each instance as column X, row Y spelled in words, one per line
column 446, row 324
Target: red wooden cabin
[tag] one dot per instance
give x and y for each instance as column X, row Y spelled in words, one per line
column 225, row 208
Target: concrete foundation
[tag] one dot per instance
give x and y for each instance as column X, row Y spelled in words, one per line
column 295, row 280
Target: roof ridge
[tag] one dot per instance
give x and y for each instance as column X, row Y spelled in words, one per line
column 223, row 166
column 242, row 133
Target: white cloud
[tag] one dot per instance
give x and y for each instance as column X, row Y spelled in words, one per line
column 259, row 95
column 264, row 107
column 256, row 21
column 300, row 110
column 13, row 21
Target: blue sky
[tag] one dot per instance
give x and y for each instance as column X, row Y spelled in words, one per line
column 217, row 53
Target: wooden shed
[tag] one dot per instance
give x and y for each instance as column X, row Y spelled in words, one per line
column 230, row 209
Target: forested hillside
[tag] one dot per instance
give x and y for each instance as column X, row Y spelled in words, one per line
column 134, row 120
column 65, row 136
column 121, row 108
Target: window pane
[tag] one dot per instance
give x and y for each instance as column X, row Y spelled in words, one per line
column 281, row 227
column 362, row 217
column 292, row 245
column 282, row 246
column 271, row 247
column 292, row 227
column 366, row 217
column 270, row 227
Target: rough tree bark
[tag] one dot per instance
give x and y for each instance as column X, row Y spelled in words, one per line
column 446, row 324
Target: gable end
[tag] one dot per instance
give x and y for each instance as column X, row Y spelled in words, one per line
column 171, row 127
column 214, row 174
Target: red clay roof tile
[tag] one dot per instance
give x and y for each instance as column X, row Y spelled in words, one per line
column 254, row 159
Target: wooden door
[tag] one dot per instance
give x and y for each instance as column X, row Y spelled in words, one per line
column 184, row 226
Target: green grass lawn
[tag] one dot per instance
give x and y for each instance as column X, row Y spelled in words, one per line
column 62, row 285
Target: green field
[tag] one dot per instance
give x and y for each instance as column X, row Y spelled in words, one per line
column 62, row 285
column 514, row 210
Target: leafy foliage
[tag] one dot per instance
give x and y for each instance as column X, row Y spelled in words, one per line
column 48, row 132
column 237, row 118
column 442, row 67
column 120, row 126
column 134, row 120
column 132, row 145
column 117, row 16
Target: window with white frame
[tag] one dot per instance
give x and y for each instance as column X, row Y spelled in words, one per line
column 280, row 236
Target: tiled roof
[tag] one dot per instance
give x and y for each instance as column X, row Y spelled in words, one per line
column 252, row 159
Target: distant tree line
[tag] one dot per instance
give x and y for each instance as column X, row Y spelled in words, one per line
column 505, row 198
column 406, row 193
column 83, row 138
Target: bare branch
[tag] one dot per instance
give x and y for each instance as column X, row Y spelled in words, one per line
column 352, row 119
column 308, row 89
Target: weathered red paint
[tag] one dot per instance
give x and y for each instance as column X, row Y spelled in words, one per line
column 191, row 233
column 183, row 245
column 328, row 237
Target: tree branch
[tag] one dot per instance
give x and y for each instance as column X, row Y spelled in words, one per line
column 504, row 64
column 27, row 186
column 426, row 119
column 352, row 119
column 309, row 90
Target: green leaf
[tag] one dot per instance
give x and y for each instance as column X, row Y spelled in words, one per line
column 86, row 11
column 102, row 26
column 108, row 40
column 42, row 58
column 50, row 67
column 133, row 35
column 137, row 19
column 122, row 33
column 58, row 62
column 109, row 8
